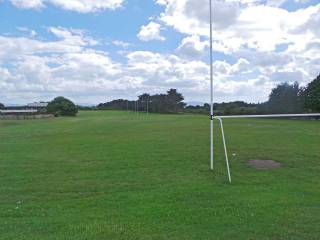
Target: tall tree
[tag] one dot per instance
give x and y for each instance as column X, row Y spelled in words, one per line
column 174, row 101
column 118, row 104
column 144, row 102
column 284, row 98
column 1, row 106
column 311, row 95
column 159, row 103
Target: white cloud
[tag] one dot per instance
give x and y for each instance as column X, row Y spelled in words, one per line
column 269, row 44
column 149, row 32
column 192, row 47
column 121, row 43
column 231, row 81
column 241, row 66
column 278, row 3
column 239, row 24
column 192, row 16
column 82, row 6
column 73, row 36
column 32, row 69
column 69, row 40
column 37, row 4
column 69, row 66
column 224, row 69
column 275, row 3
column 31, row 33
column 161, row 2
column 310, row 24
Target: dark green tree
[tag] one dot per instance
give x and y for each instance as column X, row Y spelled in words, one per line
column 61, row 106
column 118, row 104
column 159, row 103
column 175, row 101
column 311, row 95
column 172, row 102
column 144, row 102
column 285, row 98
column 2, row 106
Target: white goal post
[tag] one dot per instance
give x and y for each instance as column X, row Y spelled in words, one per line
column 220, row 119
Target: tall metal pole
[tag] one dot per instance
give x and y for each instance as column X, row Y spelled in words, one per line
column 211, row 91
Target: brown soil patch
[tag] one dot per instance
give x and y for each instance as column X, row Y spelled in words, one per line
column 264, row 164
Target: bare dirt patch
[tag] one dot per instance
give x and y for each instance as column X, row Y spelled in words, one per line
column 264, row 164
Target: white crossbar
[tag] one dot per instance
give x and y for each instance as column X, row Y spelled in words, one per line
column 270, row 116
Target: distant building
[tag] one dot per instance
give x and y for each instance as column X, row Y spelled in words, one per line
column 29, row 111
column 37, row 105
column 19, row 112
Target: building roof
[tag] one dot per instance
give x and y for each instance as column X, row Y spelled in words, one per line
column 38, row 104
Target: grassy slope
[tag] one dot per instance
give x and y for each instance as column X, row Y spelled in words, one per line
column 110, row 175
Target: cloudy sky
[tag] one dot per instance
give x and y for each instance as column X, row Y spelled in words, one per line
column 97, row 50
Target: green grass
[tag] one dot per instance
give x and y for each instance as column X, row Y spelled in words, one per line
column 112, row 175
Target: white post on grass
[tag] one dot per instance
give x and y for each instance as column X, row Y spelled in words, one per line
column 147, row 106
column 137, row 107
column 211, row 90
column 225, row 148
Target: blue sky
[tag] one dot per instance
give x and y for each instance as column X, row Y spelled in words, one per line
column 98, row 50
column 122, row 24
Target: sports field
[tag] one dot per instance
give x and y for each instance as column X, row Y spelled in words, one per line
column 113, row 175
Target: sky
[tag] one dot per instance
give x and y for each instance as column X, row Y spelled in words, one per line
column 93, row 51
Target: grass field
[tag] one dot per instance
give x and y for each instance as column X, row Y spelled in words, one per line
column 113, row 175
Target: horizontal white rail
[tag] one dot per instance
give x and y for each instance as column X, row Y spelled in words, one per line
column 270, row 116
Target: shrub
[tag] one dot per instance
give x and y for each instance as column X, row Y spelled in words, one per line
column 61, row 106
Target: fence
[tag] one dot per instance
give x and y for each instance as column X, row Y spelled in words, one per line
column 25, row 117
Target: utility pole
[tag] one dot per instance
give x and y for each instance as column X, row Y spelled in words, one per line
column 211, row 89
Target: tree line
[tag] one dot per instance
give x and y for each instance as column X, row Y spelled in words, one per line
column 284, row 98
column 171, row 102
